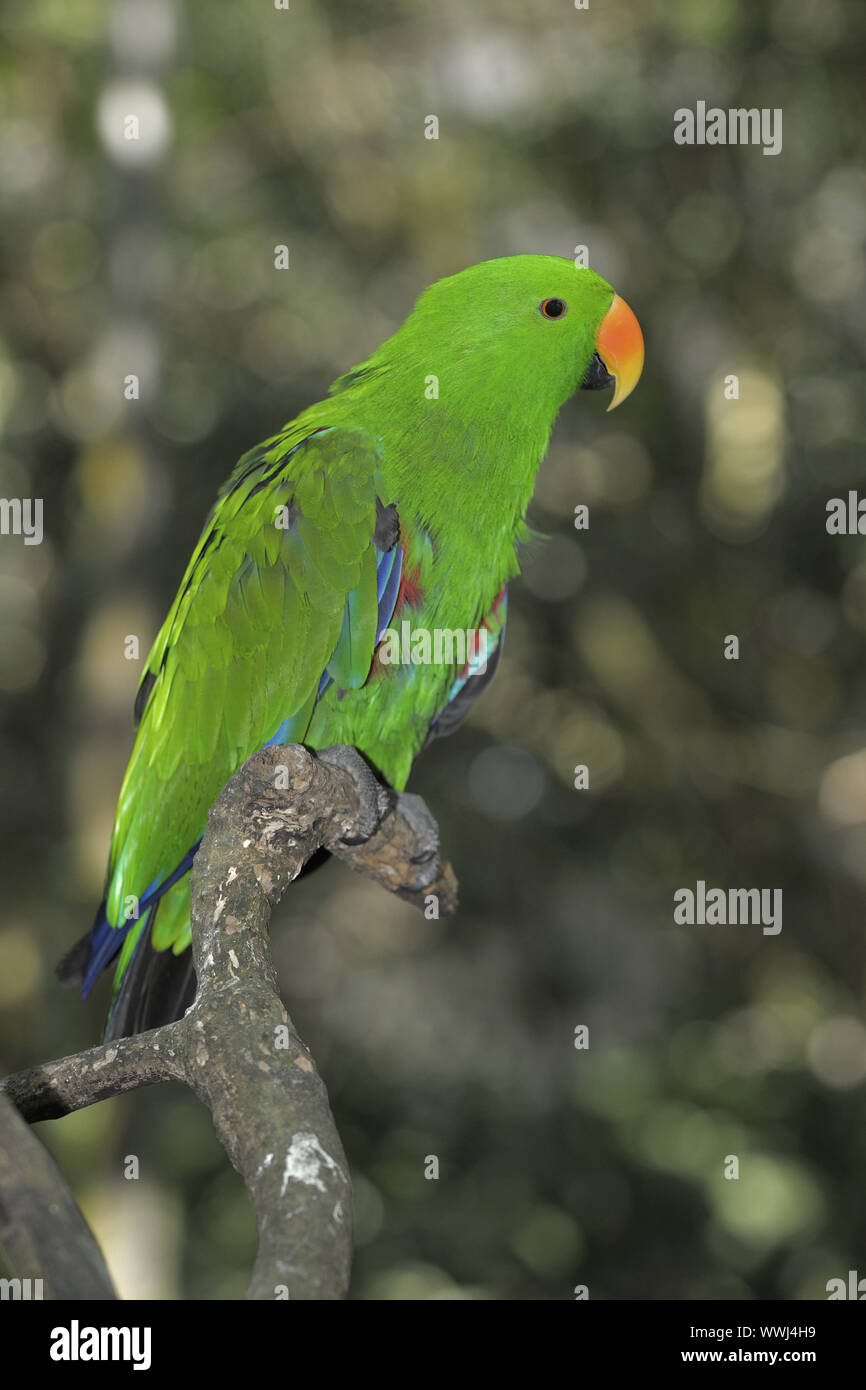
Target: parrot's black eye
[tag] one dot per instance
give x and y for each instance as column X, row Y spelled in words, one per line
column 553, row 308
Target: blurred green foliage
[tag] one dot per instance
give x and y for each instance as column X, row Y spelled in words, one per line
column 306, row 128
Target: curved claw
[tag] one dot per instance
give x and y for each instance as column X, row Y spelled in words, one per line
column 374, row 797
column 414, row 809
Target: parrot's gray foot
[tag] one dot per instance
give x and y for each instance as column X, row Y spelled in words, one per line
column 374, row 797
column 414, row 809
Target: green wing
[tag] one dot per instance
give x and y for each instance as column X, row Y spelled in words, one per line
column 281, row 585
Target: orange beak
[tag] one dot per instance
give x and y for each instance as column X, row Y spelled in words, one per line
column 619, row 344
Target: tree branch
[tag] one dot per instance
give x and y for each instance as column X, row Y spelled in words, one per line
column 236, row 1047
column 42, row 1229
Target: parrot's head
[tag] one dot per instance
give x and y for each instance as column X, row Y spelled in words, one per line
column 499, row 348
column 537, row 324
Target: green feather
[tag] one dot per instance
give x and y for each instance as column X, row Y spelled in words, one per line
column 349, row 665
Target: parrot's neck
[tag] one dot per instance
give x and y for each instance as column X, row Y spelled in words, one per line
column 461, row 468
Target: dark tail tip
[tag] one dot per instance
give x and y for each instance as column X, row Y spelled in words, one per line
column 71, row 967
column 157, row 987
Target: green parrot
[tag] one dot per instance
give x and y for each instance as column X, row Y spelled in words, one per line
column 399, row 499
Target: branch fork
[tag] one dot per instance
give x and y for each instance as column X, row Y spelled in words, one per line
column 236, row 1047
